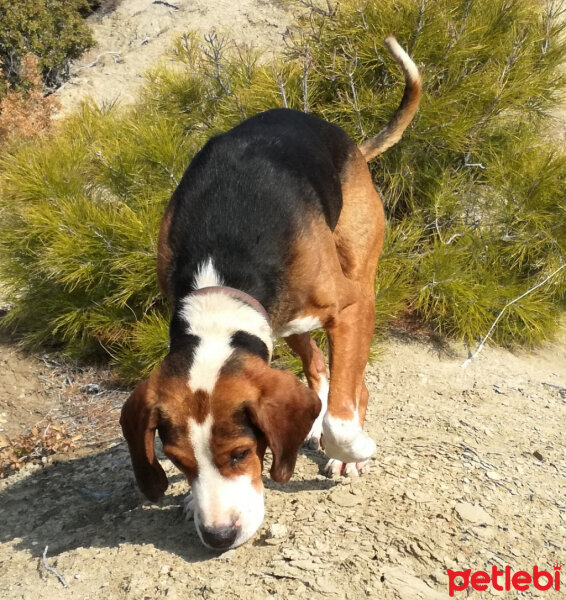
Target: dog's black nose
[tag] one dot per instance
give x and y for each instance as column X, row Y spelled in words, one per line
column 219, row 538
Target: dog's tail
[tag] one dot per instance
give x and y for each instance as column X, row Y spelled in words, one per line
column 393, row 131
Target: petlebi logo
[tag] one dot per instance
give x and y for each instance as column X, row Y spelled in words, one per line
column 504, row 580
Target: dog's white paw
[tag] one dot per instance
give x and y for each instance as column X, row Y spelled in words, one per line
column 334, row 468
column 189, row 507
column 345, row 440
column 313, row 438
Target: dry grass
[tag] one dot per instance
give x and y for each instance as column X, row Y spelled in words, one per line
column 26, row 112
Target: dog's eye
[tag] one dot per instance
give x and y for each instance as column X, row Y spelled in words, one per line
column 238, row 455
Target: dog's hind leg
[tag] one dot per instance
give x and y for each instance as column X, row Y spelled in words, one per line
column 358, row 238
column 314, row 367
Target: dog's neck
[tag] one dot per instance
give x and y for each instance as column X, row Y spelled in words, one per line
column 219, row 320
column 236, row 294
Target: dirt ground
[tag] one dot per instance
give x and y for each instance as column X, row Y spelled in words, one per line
column 131, row 38
column 470, row 470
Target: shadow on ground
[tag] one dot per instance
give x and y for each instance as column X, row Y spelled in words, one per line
column 93, row 501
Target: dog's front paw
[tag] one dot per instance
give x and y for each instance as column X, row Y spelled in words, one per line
column 313, row 438
column 345, row 440
column 334, row 468
column 189, row 507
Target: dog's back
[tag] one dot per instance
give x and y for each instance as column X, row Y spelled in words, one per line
column 247, row 194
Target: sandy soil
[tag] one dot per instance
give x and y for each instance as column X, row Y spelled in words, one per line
column 470, row 469
column 137, row 33
column 470, row 472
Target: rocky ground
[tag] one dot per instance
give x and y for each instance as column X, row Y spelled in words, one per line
column 470, row 470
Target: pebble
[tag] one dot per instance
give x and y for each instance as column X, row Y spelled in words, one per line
column 345, row 498
column 277, row 531
column 473, row 513
column 325, row 585
column 418, row 496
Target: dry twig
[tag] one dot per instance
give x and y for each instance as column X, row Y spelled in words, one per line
column 115, row 56
column 167, row 4
column 511, row 302
column 51, row 569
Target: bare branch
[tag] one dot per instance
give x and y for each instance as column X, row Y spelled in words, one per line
column 469, row 164
column 214, row 52
column 51, row 569
column 329, row 12
column 510, row 303
column 115, row 56
column 282, row 89
column 554, row 10
column 352, row 54
column 173, row 6
column 420, row 24
column 305, row 79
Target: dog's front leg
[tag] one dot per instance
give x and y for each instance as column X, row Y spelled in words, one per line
column 349, row 336
column 314, row 368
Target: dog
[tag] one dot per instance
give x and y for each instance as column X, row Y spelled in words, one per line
column 274, row 230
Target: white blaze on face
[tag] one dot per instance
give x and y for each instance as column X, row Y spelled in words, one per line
column 222, row 501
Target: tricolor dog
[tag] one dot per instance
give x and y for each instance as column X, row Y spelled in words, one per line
column 274, row 230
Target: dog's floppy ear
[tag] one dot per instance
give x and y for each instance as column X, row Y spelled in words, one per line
column 139, row 422
column 284, row 413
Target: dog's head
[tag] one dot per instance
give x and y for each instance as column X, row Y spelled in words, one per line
column 218, row 440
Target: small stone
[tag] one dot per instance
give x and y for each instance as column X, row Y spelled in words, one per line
column 440, row 577
column 277, row 531
column 418, row 496
column 473, row 513
column 345, row 498
column 228, row 555
column 485, row 533
column 305, row 565
column 326, row 586
column 164, row 570
column 538, row 455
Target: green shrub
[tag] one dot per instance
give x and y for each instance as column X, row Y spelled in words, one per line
column 53, row 30
column 474, row 192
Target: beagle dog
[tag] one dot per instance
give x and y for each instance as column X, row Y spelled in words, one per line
column 274, row 230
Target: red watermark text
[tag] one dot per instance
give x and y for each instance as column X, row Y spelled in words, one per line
column 504, row 579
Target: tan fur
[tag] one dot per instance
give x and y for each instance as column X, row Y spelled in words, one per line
column 336, row 284
column 393, row 131
column 164, row 252
column 281, row 407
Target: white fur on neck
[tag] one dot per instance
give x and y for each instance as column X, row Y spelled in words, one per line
column 207, row 275
column 214, row 318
